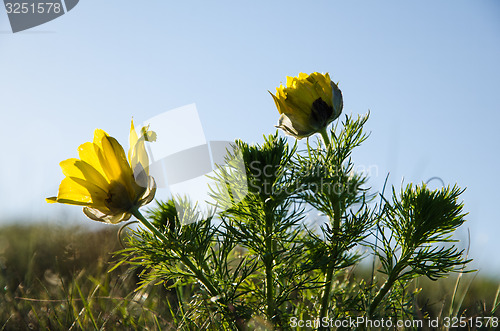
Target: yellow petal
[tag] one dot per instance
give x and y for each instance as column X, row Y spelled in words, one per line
column 323, row 85
column 303, row 75
column 137, row 154
column 112, row 158
column 307, row 92
column 149, row 193
column 98, row 195
column 132, row 141
column 299, row 103
column 80, row 169
column 87, row 153
column 148, row 135
column 119, row 157
column 278, row 103
column 99, row 136
column 72, row 193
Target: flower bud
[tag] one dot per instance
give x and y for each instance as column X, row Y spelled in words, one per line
column 307, row 104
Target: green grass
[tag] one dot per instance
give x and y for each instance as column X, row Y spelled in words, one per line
column 57, row 278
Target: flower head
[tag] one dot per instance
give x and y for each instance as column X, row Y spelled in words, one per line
column 104, row 181
column 307, row 104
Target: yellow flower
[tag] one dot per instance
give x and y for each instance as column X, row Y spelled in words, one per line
column 104, row 182
column 307, row 104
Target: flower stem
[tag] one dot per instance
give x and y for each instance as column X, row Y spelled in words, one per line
column 187, row 262
column 325, row 300
column 135, row 211
column 380, row 294
column 269, row 292
column 393, row 276
column 325, row 137
column 268, row 262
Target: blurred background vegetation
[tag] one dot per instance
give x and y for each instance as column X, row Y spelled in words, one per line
column 55, row 277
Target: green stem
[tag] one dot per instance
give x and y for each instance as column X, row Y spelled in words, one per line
column 187, row 262
column 269, row 291
column 135, row 211
column 325, row 300
column 336, row 218
column 393, row 276
column 325, row 137
column 381, row 294
column 268, row 261
column 336, row 206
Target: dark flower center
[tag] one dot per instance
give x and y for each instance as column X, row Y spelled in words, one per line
column 118, row 199
column 320, row 113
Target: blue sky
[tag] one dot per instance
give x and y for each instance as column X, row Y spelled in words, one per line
column 428, row 72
